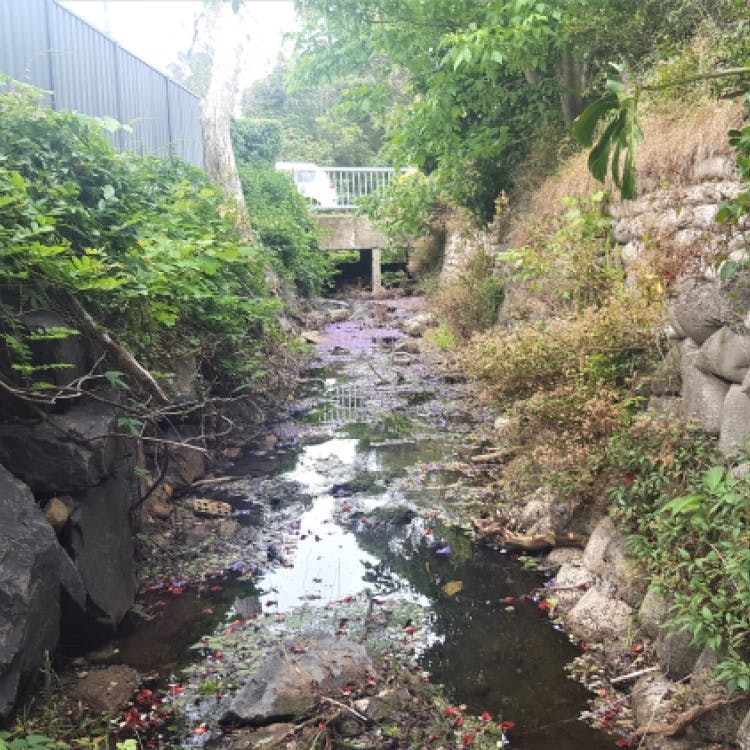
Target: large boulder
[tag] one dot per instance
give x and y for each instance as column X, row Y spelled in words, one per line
column 734, row 429
column 601, row 536
column 702, row 395
column 743, row 733
column 651, row 701
column 65, row 453
column 101, row 545
column 726, row 354
column 676, row 652
column 599, row 618
column 623, row 579
column 653, row 613
column 723, row 723
column 699, row 309
column 29, row 587
column 290, row 682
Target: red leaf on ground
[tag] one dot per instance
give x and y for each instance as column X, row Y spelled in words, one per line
column 486, row 716
column 467, row 740
column 505, row 725
column 451, row 711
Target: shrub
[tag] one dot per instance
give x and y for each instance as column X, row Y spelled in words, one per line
column 150, row 247
column 282, row 224
column 256, row 140
column 470, row 302
column 608, row 345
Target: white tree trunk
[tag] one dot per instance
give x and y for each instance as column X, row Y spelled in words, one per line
column 218, row 105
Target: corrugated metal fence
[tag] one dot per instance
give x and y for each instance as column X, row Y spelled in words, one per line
column 44, row 44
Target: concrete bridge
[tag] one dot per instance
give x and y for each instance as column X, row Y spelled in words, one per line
column 341, row 229
column 344, row 231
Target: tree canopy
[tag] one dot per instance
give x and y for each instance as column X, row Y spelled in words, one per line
column 463, row 87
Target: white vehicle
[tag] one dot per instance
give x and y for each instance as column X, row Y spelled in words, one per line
column 312, row 181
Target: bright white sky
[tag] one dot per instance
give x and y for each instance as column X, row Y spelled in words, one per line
column 156, row 30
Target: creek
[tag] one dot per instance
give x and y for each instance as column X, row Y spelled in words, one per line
column 361, row 501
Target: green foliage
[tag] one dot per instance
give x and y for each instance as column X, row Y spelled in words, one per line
column 282, row 223
column 256, row 140
column 689, row 522
column 614, row 150
column 407, row 209
column 441, row 336
column 150, row 247
column 462, row 88
column 734, row 210
column 317, row 124
column 28, row 742
column 574, row 265
column 470, row 303
column 599, row 345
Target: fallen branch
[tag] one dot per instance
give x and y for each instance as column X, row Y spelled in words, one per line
column 500, row 534
column 495, row 457
column 128, row 362
column 354, row 713
column 632, row 675
column 682, row 720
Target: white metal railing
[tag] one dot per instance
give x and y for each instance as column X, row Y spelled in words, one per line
column 353, row 183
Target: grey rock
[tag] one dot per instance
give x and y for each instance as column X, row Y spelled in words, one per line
column 651, row 697
column 702, row 395
column 653, row 613
column 29, row 588
column 101, row 545
column 419, row 324
column 570, row 584
column 600, row 618
column 593, row 555
column 622, row 579
column 559, row 556
column 699, row 308
column 734, row 432
column 49, row 460
column 185, row 376
column 676, row 653
column 247, row 606
column 185, row 466
column 288, row 685
column 726, row 354
column 743, row 733
column 713, row 168
column 722, row 725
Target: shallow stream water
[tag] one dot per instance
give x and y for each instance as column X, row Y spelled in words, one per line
column 368, row 475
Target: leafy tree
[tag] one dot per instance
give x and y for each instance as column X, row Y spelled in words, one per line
column 473, row 82
column 316, row 125
column 256, row 140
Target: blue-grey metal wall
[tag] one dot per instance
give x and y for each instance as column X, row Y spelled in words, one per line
column 46, row 45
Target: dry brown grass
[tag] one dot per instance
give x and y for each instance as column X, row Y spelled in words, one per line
column 674, row 143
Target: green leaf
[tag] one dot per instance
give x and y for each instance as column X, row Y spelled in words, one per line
column 586, row 123
column 684, row 504
column 713, row 478
column 599, row 156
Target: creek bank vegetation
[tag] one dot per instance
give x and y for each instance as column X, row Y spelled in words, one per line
column 601, row 417
column 139, row 329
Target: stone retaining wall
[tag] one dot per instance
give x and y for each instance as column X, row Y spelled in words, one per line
column 709, row 318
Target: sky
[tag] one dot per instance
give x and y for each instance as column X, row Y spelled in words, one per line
column 156, row 30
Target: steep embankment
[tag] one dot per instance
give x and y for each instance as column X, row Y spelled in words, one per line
column 622, row 352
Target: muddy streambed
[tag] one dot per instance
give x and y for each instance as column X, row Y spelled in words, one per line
column 348, row 526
